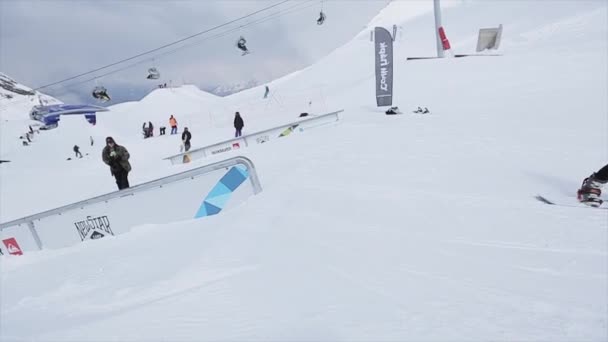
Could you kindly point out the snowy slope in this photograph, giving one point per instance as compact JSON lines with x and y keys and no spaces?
{"x":380,"y":228}
{"x":228,"y":89}
{"x":16,"y":100}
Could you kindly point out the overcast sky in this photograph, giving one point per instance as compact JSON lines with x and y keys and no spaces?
{"x":43,"y":41}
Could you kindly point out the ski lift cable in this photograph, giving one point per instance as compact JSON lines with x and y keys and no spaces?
{"x":272,"y":16}
{"x":219,"y":35}
{"x":164,"y":46}
{"x":289,"y":10}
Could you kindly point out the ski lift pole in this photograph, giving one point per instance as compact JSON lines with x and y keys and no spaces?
{"x":323,"y":98}
{"x":277,"y":101}
{"x":437,"y":10}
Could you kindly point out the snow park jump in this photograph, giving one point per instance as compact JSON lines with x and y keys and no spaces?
{"x":210,"y":189}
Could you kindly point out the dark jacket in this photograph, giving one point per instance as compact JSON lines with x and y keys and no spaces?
{"x":186,"y":136}
{"x":238,"y":122}
{"x":119,"y":161}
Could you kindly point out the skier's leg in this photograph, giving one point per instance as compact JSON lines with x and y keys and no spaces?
{"x":602,"y":174}
{"x":125,"y":180}
{"x":118,"y":180}
{"x":121,"y":179}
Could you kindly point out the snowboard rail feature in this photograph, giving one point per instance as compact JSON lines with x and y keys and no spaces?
{"x":212,"y":187}
{"x":256,"y":138}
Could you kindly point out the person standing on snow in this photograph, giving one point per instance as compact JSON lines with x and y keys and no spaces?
{"x":186,"y":136}
{"x":77,"y":151}
{"x":591,"y":189}
{"x":238,"y":124}
{"x":144,"y":128}
{"x":173,"y":124}
{"x":117,"y":157}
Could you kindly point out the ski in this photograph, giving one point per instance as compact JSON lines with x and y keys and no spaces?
{"x":552,"y":202}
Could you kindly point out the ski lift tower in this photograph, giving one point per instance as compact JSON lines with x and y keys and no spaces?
{"x":437,"y":7}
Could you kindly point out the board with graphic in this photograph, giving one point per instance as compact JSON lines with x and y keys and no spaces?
{"x":288,"y":131}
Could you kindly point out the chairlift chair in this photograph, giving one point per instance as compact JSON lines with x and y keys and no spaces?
{"x":153,"y":74}
{"x":241,"y":44}
{"x":101,"y":93}
{"x":321,"y":19}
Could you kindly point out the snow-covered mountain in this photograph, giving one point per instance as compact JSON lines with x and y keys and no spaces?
{"x":10,"y":88}
{"x":395,"y":228}
{"x":16,"y":100}
{"x":229,"y":89}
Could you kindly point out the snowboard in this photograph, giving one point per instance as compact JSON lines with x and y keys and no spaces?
{"x":288,"y":131}
{"x":76,"y":158}
{"x":574,"y":203}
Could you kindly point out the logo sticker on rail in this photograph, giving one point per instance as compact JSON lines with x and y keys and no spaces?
{"x":222,"y":191}
{"x":12,"y":246}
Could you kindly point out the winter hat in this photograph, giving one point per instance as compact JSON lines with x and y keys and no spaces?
{"x":110,"y":140}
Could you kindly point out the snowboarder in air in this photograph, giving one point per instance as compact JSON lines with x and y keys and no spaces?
{"x":591,"y":189}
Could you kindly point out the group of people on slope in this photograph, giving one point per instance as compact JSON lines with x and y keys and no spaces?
{"x":117,"y":156}
{"x":148,"y":128}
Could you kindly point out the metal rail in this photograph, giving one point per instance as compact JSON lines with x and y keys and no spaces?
{"x":299,"y":122}
{"x":239,"y":160}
